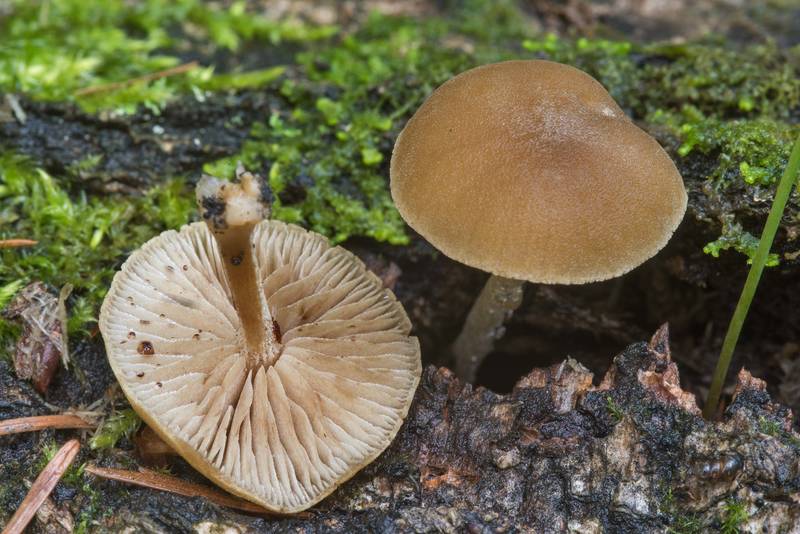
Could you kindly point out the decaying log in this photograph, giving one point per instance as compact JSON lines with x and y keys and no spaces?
{"x":557,"y":454}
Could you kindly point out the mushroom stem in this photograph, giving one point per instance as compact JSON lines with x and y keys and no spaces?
{"x":497,"y":301}
{"x":232,"y":211}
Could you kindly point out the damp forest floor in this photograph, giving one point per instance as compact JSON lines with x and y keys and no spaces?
{"x":110,"y":111}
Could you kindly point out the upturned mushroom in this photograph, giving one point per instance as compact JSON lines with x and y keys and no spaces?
{"x":529,"y":170}
{"x":275,"y":364}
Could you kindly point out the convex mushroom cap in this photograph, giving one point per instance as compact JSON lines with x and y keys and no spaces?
{"x":530,"y":170}
{"x":286,"y":427}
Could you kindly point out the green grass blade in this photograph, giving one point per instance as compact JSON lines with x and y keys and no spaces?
{"x":759,"y":260}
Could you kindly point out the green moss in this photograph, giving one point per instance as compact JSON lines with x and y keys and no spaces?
{"x":735,"y":237}
{"x":327,"y":146}
{"x":345,"y":106}
{"x":121,"y":424}
{"x":82,"y":241}
{"x":53,"y":50}
{"x":773,"y":428}
{"x":685,"y":524}
{"x":614,"y":409}
{"x":679,"y":522}
{"x":734,"y":514}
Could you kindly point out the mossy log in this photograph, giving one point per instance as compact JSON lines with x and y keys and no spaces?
{"x":557,"y":454}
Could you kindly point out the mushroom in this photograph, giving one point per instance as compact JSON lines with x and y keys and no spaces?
{"x":529,"y":170}
{"x":274,"y":363}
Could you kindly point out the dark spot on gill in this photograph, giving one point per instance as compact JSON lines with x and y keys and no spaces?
{"x":140,"y":375}
{"x":145,"y":348}
{"x":144,"y":321}
{"x":196,"y":337}
{"x":237,"y":260}
{"x":276,"y":330}
{"x":159,"y":384}
{"x":131,"y":335}
{"x":185,"y":267}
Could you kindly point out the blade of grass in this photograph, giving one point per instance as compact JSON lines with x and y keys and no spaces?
{"x":180,"y":69}
{"x":41,"y":422}
{"x":150,"y":479}
{"x":42,"y":487}
{"x":759,"y":260}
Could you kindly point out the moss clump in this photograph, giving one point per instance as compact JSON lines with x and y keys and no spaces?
{"x":327,"y":144}
{"x":773,"y":428}
{"x":678,"y":521}
{"x":327,"y":155}
{"x":121,"y":424}
{"x":614,"y":409}
{"x":734,"y":515}
{"x":82,"y":241}
{"x":55,"y":50}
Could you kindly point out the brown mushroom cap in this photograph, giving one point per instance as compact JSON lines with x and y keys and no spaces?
{"x":530,"y":170}
{"x":282,"y":435}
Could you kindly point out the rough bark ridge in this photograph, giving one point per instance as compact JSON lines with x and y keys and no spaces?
{"x":555,"y":455}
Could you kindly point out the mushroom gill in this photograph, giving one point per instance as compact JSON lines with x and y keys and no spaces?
{"x":280,"y":415}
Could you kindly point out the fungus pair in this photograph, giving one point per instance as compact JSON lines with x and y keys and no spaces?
{"x":278,"y":366}
{"x":275,"y":364}
{"x":529,"y":170}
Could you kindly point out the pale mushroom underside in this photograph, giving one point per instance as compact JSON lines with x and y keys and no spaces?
{"x":282,"y":435}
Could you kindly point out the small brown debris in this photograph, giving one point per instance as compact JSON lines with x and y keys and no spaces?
{"x":388,"y":271}
{"x":569,"y":381}
{"x":55,"y":519}
{"x":41,"y":422}
{"x":42,"y":487}
{"x":659,"y":343}
{"x":145,"y":348}
{"x":16,"y":243}
{"x":745,"y":380}
{"x":41,"y":345}
{"x":150,"y":479}
{"x":276,"y":330}
{"x":662,"y":379}
{"x":151,"y":449}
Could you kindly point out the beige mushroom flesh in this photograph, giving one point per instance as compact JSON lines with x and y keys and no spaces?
{"x":275,"y":364}
{"x":529,"y":170}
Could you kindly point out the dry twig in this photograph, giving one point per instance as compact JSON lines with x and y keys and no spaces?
{"x":180,"y":69}
{"x":15,"y":243}
{"x":150,"y":479}
{"x":42,"y":487}
{"x":41,"y":422}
